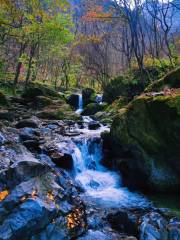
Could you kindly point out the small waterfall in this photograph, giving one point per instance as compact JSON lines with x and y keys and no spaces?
{"x":99,"y":98}
{"x":101,"y":185}
{"x":80,"y":104}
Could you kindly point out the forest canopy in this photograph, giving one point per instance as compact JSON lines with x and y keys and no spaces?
{"x":87,"y":43}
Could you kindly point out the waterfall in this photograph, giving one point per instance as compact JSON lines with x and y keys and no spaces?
{"x":80,"y":104}
{"x":99,"y":98}
{"x":100,"y":184}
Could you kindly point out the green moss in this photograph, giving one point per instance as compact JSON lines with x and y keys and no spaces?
{"x":3,"y":99}
{"x":93,"y":108}
{"x":42,"y":101}
{"x":172,"y":80}
{"x":150,"y":129}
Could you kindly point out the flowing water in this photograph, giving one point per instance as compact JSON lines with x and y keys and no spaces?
{"x":80,"y":105}
{"x":101,"y":185}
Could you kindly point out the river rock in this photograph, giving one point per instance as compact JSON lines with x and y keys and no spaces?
{"x":20,"y":224}
{"x":153,"y":227}
{"x":23,"y":170}
{"x":31,"y":123}
{"x":174,"y":229}
{"x":62,"y":160}
{"x":145,"y":146}
{"x":121,"y":222}
{"x":6,"y":115}
{"x":94,"y":125}
{"x":2,"y":139}
{"x":29,"y":134}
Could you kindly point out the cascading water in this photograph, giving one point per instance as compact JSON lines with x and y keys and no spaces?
{"x":101,"y":185}
{"x":80,"y":104}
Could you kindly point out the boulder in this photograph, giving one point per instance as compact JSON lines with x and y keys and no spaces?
{"x":60,"y":113}
{"x":88,"y":96}
{"x":6,"y":115}
{"x":62,"y":160}
{"x":93,"y":108}
{"x":30,"y":123}
{"x":33,"y":215}
{"x":36,"y":89}
{"x":73,"y":100}
{"x":32,"y":92}
{"x":171,"y":80}
{"x":28,"y":134}
{"x":120,"y":221}
{"x":42,"y":101}
{"x":94,"y":125}
{"x":145,"y":137}
{"x":23,"y":170}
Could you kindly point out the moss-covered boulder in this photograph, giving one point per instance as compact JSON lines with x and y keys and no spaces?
{"x":42,"y":101}
{"x":38,"y":89}
{"x":146,"y":137}
{"x":171,"y":80}
{"x":88,"y":96}
{"x":93,"y":108}
{"x":122,"y":87}
{"x":58,"y":112}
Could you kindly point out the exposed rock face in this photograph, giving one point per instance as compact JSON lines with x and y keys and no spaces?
{"x":88,"y":96}
{"x":171,"y":80}
{"x":146,"y":136}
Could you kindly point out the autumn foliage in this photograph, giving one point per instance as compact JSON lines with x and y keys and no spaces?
{"x":97,"y":13}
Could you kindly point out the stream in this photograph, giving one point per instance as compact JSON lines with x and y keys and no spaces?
{"x":101,"y":185}
{"x":53,"y":185}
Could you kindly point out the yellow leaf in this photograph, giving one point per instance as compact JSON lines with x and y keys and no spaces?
{"x":3,"y":195}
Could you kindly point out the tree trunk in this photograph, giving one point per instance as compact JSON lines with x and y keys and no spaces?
{"x":32,"y":52}
{"x":18,"y":67}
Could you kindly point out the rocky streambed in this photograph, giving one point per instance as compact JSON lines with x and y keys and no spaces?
{"x":53,"y":185}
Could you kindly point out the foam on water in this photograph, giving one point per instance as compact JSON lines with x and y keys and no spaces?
{"x":101,"y":185}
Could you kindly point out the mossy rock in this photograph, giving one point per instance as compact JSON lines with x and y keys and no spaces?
{"x":146,"y":136}
{"x":104,"y":117}
{"x":37,"y":89}
{"x":42,"y":101}
{"x":93,"y":108}
{"x":171,"y":80}
{"x":3,"y":99}
{"x":63,"y":112}
{"x":122,"y":87}
{"x":88,"y":95}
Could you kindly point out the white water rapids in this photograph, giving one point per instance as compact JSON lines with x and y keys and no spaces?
{"x":100,"y":184}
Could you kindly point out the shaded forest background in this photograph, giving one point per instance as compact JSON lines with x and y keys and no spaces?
{"x":70,"y":44}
